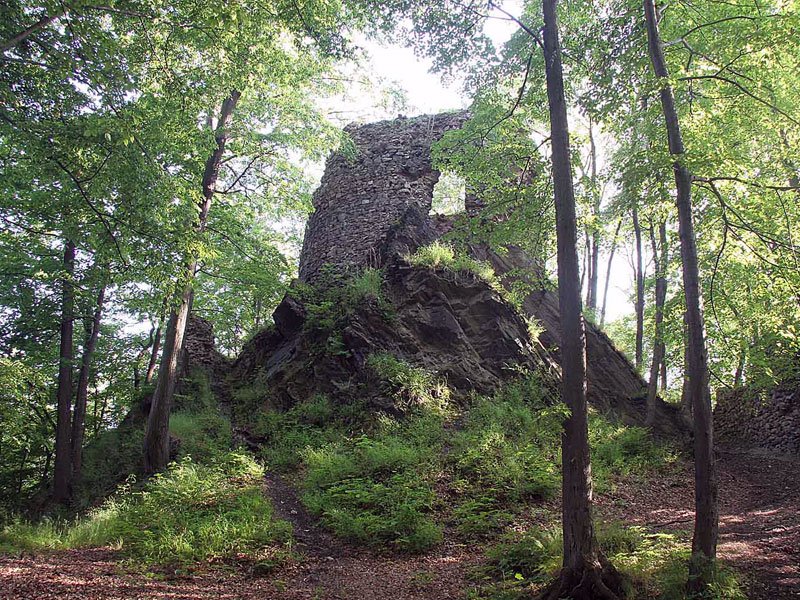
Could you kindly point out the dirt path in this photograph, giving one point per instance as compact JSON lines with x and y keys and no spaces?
{"x":759,"y":535}
{"x":759,"y":531}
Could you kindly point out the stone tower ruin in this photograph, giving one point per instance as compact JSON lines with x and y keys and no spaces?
{"x":360,"y":199}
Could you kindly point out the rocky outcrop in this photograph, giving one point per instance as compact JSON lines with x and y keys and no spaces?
{"x":451,"y":324}
{"x":374,"y":211}
{"x":751,"y":418}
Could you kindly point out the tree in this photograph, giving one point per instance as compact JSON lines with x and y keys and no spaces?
{"x":63,"y":468}
{"x":156,"y":439}
{"x":585,"y":572}
{"x":706,"y":523}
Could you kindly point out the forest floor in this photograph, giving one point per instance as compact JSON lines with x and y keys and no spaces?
{"x":759,"y":537}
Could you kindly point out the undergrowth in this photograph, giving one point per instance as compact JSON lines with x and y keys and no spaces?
{"x":398,"y":479}
{"x":334,"y":298}
{"x":654,"y":565}
{"x":189,"y":513}
{"x":443,"y":256}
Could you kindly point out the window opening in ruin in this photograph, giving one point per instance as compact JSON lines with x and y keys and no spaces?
{"x":448,"y":194}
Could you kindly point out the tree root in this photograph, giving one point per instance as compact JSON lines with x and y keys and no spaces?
{"x":593,"y":582}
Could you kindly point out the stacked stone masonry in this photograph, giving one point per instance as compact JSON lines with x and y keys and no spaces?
{"x":361,"y":198}
{"x":748,"y":418}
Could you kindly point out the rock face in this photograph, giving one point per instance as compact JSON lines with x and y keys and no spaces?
{"x":750,"y":418}
{"x":450,"y":324}
{"x":373,"y":212}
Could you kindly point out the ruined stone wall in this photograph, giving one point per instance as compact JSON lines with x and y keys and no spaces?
{"x":748,"y":418}
{"x":359,"y":200}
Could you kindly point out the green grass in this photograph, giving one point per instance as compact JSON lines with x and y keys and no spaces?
{"x":411,"y":387}
{"x":190,"y":513}
{"x":443,"y":256}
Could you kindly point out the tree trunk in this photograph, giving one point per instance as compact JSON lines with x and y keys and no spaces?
{"x":585,"y":574}
{"x":706,"y":524}
{"x":594,"y":248}
{"x":608,"y":272}
{"x":154,"y":350}
{"x":637,"y":232}
{"x":79,"y":418}
{"x":62,"y":469}
{"x":156,"y":441}
{"x":659,"y":350}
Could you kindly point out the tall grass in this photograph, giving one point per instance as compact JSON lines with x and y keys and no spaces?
{"x":190,"y":513}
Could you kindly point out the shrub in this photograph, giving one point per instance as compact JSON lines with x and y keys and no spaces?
{"x":374,"y":491}
{"x":189,"y":513}
{"x":411,"y":387}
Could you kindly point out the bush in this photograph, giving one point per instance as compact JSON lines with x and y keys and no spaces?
{"x":375,"y":491}
{"x":654,"y":564}
{"x":189,"y":513}
{"x":411,"y":387}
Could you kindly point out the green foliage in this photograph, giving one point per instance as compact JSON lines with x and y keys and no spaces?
{"x":201,"y":436}
{"x":443,"y":256}
{"x":654,"y":564}
{"x":411,"y":387}
{"x":198,"y":425}
{"x":375,"y":479}
{"x":307,"y":425}
{"x":506,"y":452}
{"x":189,"y":513}
{"x":620,"y":451}
{"x":375,"y":491}
{"x":24,"y":433}
{"x":333,"y":300}
{"x":109,"y":460}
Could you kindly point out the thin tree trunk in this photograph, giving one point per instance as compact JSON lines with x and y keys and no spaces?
{"x":659,"y":350}
{"x":79,"y":417}
{"x":594,"y":249}
{"x":739,"y":375}
{"x":156,"y":442}
{"x":62,"y":469}
{"x":583,"y":574}
{"x":155,"y":349}
{"x":637,"y":232}
{"x":608,"y":272}
{"x":706,"y":524}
